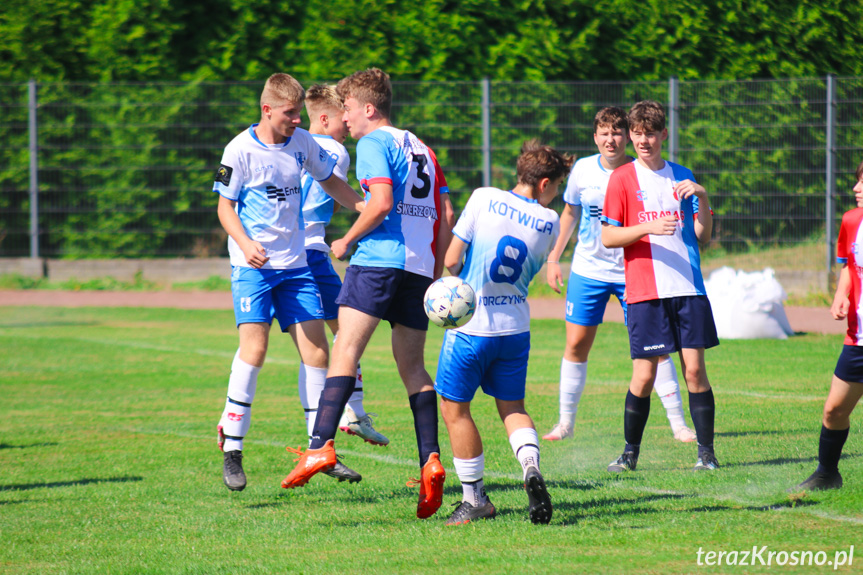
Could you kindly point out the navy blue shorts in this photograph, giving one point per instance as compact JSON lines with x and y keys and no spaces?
{"x":328,"y":280}
{"x":849,"y":368}
{"x":660,"y":326}
{"x":387,"y":293}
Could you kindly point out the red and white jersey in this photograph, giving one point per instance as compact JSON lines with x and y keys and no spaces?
{"x":849,"y":245}
{"x":657,"y":267}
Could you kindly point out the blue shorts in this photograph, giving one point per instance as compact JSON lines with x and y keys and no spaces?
{"x":291,"y":295}
{"x":329,"y":282}
{"x":387,"y":293}
{"x":498,"y":364}
{"x":660,"y":326}
{"x":586,"y":299}
{"x":849,"y":368}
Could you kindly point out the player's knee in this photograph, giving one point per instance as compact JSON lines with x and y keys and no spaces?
{"x":835,"y":415}
{"x":315,"y":356}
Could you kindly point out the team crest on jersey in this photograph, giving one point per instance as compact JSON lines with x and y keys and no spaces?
{"x":223,"y":174}
{"x":641,"y":195}
{"x":301,"y":158}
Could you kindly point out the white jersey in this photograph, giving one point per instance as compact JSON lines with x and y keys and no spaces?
{"x":264,"y":180}
{"x":509,"y":237}
{"x":586,"y":187}
{"x":319,"y":206}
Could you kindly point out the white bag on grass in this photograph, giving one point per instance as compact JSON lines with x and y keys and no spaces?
{"x":747,"y":305}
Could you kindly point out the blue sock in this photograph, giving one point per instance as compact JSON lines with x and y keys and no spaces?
{"x":424,"y":407}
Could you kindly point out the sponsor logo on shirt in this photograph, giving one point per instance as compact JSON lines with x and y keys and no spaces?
{"x":223,"y":174}
{"x":650,"y":216}
{"x":262,"y":168}
{"x":594,"y":211}
{"x":281,"y":194}
{"x":416,"y":211}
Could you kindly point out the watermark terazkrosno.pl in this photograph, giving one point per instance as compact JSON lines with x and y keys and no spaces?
{"x":769,"y":557}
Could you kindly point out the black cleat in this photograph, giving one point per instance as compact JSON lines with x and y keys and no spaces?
{"x":540,"y":503}
{"x":232,"y":471}
{"x":819,"y":481}
{"x":466,"y":512}
{"x":344,"y":473}
{"x":625,"y":462}
{"x":706,"y":462}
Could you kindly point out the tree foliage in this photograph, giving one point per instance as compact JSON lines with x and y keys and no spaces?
{"x":530,"y":40}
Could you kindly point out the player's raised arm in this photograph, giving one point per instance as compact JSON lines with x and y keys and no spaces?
{"x":254,"y":252}
{"x":704,"y":218}
{"x":620,"y":236}
{"x":343,"y":194}
{"x":379,"y":205}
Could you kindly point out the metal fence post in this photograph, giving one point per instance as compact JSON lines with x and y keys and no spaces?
{"x":486,"y":132}
{"x":673,"y":101}
{"x":34,"y":171}
{"x":830,"y":175}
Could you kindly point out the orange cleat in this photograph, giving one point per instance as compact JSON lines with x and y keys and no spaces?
{"x":431,"y":487}
{"x":311,"y":462}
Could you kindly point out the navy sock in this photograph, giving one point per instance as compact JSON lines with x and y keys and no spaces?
{"x":424,"y":407}
{"x":702,"y":408}
{"x":830,"y":449}
{"x":334,"y":397}
{"x":634,"y":420}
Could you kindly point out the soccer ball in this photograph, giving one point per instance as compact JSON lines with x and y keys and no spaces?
{"x":450,"y":302}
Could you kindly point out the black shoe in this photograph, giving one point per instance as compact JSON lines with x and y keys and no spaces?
{"x":465,"y":513}
{"x":819,"y":481}
{"x":539,"y":508}
{"x":706,"y":462}
{"x":625,"y":462}
{"x":232,"y":472}
{"x":344,"y":473}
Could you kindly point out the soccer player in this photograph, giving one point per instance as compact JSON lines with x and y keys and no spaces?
{"x":325,"y":109}
{"x":401,"y":237}
{"x":597,"y":273}
{"x":658,"y":214}
{"x":506,"y":235}
{"x":258,"y":183}
{"x":846,"y":389}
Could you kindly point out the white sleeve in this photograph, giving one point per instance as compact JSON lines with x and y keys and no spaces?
{"x":465,"y":227}
{"x":231,"y":174}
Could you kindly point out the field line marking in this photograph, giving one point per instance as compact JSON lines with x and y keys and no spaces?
{"x":151,"y":347}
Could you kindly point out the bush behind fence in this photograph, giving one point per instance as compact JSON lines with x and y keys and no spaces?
{"x":125,"y":170}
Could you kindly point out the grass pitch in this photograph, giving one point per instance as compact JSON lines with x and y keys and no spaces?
{"x":109,"y":462}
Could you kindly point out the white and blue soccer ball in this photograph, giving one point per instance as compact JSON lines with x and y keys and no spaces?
{"x":450,"y":302}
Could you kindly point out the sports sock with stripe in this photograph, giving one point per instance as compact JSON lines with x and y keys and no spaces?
{"x":525,"y":445}
{"x":237,"y":415}
{"x":310,"y":385}
{"x":470,"y":473}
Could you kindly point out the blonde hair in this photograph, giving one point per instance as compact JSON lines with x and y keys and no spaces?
{"x":282,"y":89}
{"x":370,"y":86}
{"x":322,"y":98}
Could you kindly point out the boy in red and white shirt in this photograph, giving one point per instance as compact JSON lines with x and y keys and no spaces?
{"x":847,"y":386}
{"x":658,"y":214}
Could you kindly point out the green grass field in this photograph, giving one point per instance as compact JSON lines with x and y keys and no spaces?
{"x":109,"y":462}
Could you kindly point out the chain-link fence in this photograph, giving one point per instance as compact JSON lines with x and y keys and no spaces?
{"x":125,"y":170}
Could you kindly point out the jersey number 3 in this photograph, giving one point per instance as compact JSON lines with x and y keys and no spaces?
{"x":505,"y":248}
{"x":420,"y":189}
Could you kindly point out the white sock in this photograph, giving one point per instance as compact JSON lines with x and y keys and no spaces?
{"x":573,"y":376}
{"x":668,"y":389}
{"x":525,"y":445}
{"x":356,"y":399}
{"x":310,"y":386}
{"x":470,"y":472}
{"x":237,"y":415}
